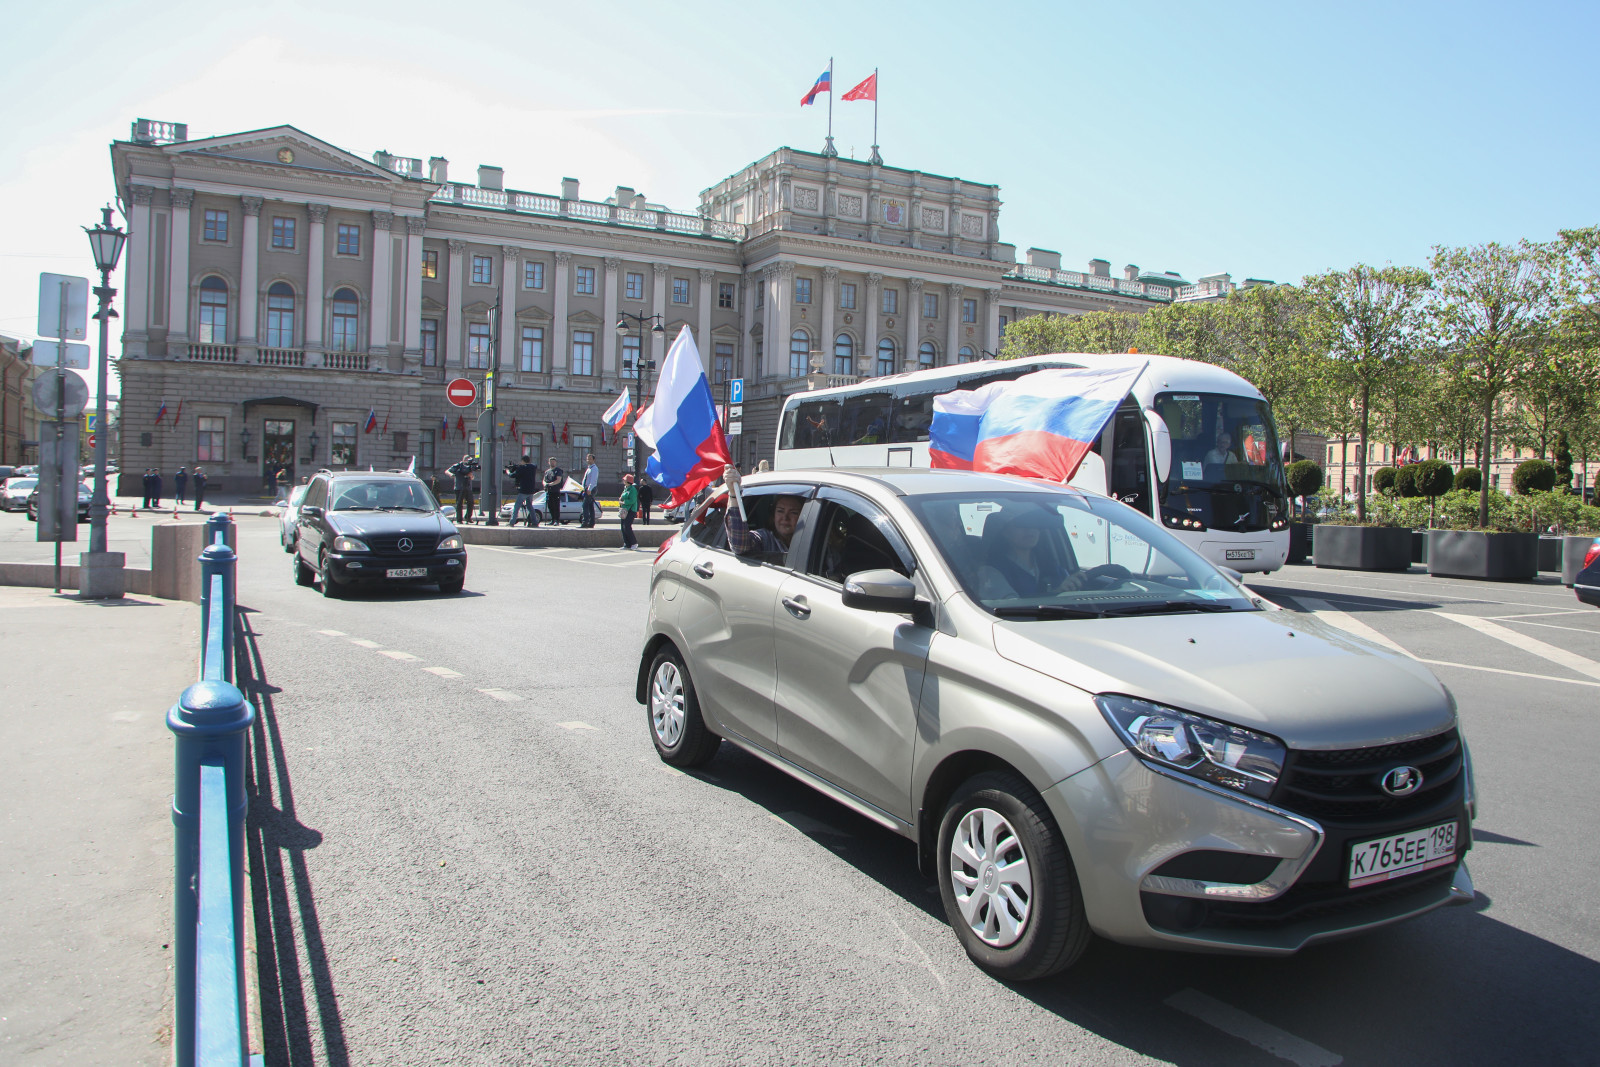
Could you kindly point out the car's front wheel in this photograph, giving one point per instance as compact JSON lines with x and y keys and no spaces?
{"x":680,"y":734}
{"x":330,"y":588}
{"x":1008,"y":884}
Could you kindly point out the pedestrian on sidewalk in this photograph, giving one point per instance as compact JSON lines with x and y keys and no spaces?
{"x":647,"y":496}
{"x":199,"y":487}
{"x":591,"y":486}
{"x":526,"y":475}
{"x":155,"y":487}
{"x":283,"y":482}
{"x":269,"y":478}
{"x":554,"y":479}
{"x":627,"y":507}
{"x":179,"y":482}
{"x":462,"y":472}
{"x":148,"y":483}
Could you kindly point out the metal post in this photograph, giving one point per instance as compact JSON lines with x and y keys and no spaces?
{"x":210,"y":724}
{"x":491,"y":469}
{"x":100,"y":506}
{"x":61,"y":418}
{"x":217,"y":561}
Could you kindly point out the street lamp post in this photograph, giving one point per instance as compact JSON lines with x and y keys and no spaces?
{"x":106,"y":241}
{"x":642,"y":371}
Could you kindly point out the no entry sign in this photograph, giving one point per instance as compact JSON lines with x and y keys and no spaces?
{"x":461,"y":392}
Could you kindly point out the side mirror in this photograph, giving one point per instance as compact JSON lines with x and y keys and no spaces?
{"x":880,"y":590}
{"x":1160,"y":444}
{"x":310,"y":511}
{"x":448,"y":511}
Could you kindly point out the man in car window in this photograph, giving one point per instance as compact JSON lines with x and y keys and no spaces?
{"x":760,"y":541}
{"x":1222,"y":453}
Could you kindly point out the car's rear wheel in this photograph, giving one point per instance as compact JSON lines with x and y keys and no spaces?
{"x":303,"y":575}
{"x":680,"y":734}
{"x":1008,"y":884}
{"x":330,"y":588}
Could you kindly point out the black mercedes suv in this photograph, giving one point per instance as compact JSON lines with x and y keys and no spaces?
{"x":368,"y":527}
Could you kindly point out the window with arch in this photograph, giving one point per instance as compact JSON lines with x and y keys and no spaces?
{"x":967,"y":354}
{"x":844,"y":354}
{"x":799,"y":354}
{"x":280,"y":315}
{"x":213,"y":311}
{"x":926,"y":356}
{"x":886,"y":352}
{"x":346,"y":320}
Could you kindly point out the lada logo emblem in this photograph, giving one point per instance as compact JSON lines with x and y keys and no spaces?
{"x":1402,"y":781}
{"x":405,"y":544}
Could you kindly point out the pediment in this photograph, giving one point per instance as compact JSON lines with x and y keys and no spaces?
{"x":584,"y":318}
{"x":536,"y":313}
{"x":432,"y":305}
{"x":477,"y":307}
{"x":725,"y":331}
{"x":268,"y":146}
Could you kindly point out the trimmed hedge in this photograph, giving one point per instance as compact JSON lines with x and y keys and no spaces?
{"x":1305,"y":478}
{"x":1434,"y":478}
{"x":1469,"y":478}
{"x":1383,"y":479}
{"x":1405,"y":481}
{"x":1533,"y":476}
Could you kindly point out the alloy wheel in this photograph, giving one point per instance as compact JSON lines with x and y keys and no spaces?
{"x":666,"y":704}
{"x":990,"y":876}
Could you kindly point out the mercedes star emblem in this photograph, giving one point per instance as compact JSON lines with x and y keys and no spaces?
{"x":405,"y":546}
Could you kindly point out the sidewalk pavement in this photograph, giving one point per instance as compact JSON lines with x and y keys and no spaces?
{"x":85,"y":824}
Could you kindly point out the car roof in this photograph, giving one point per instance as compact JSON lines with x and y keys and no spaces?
{"x":395,"y":475}
{"x":911,"y":481}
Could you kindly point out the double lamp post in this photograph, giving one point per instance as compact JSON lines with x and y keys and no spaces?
{"x":641,"y":371}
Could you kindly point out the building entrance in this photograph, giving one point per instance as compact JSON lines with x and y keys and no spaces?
{"x":277,"y":447}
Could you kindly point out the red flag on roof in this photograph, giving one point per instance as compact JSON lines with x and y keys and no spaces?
{"x":867,"y":90}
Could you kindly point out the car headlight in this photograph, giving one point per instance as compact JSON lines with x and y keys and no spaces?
{"x":349,"y":544}
{"x":1234,"y":758}
{"x":450,"y":544}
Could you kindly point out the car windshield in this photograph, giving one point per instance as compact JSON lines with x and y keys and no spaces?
{"x":19,"y":484}
{"x":297,"y":494}
{"x":1062,"y":554}
{"x":382,"y":494}
{"x":1226,"y":469}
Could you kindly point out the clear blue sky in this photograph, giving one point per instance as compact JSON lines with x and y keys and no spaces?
{"x":1266,"y":140}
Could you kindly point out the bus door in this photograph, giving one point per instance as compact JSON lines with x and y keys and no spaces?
{"x":1128,"y":461}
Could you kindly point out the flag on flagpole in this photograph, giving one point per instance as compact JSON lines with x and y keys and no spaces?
{"x":566,"y":438}
{"x":681,"y":426}
{"x":176,"y":419}
{"x":461,"y":427}
{"x":1039,"y":426}
{"x":372,"y":421}
{"x":161,"y":412}
{"x":412,"y":467}
{"x":867,"y":90}
{"x":555,"y":434}
{"x":385,"y":417}
{"x":514,"y":436}
{"x":444,"y":428}
{"x":824,"y":85}
{"x":617,"y":414}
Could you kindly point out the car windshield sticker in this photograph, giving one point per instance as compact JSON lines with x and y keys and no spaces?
{"x":1192,"y":469}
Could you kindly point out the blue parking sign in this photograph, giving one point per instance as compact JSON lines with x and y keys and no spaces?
{"x":736,"y":390}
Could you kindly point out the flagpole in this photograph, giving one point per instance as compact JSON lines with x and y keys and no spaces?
{"x":828,"y":149}
{"x":875,"y":158}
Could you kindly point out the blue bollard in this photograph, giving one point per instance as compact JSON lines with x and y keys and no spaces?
{"x":217,"y":527}
{"x":210,"y":724}
{"x":217,"y":560}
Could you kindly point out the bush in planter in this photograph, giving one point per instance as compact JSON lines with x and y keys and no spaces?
{"x":1434,"y":478}
{"x":1304,"y":477}
{"x":1409,"y":512}
{"x":1383,"y":479}
{"x":1405,"y":481}
{"x":1533,"y":476}
{"x":1458,"y":510}
{"x":1332,"y":507}
{"x":1470,"y":479}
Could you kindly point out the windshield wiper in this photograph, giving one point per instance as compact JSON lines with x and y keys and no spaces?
{"x":355,"y":507}
{"x":403,"y":507}
{"x":1171,"y":607}
{"x":1049,"y":611}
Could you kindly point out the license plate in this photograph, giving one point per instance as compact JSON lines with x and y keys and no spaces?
{"x":407,"y":572}
{"x":1402,"y":854}
{"x":1239,"y":553}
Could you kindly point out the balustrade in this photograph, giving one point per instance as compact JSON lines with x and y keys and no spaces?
{"x":537,"y":204}
{"x":280,"y":357}
{"x":213,"y":353}
{"x":346,"y":360}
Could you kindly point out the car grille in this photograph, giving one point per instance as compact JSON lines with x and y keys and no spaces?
{"x":389,"y":544}
{"x":1343,"y":786}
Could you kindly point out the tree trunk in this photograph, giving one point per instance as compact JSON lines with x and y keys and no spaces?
{"x":1361,"y":458}
{"x":1483,"y":482}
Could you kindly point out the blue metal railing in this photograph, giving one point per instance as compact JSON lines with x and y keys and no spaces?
{"x":210,"y":722}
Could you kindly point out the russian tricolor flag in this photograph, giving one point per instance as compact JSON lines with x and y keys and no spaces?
{"x":681,"y":425}
{"x":617,"y":414}
{"x":824,"y":85}
{"x":1039,"y":426}
{"x":372,"y":420}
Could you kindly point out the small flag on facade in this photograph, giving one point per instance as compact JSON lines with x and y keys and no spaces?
{"x":161,"y":412}
{"x":566,"y":438}
{"x":372,"y":420}
{"x":461,"y":427}
{"x":616,"y":416}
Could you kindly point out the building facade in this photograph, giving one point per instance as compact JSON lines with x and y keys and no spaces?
{"x":288,"y":302}
{"x":19,"y":420}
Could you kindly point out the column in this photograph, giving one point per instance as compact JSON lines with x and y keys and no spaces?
{"x":913,"y":358}
{"x":178,"y":279}
{"x":558,"y":326}
{"x":249,"y":270}
{"x":314,"y":261}
{"x":747,"y":319}
{"x":991,"y":319}
{"x":415,"y":225}
{"x":382,"y":281}
{"x":783,"y":315}
{"x":658,"y":304}
{"x":452,"y":312}
{"x":771,"y":364}
{"x":830,"y":301}
{"x":609,"y":297}
{"x":867,"y":364}
{"x":136,"y":275}
{"x":510,"y":264}
{"x":954,"y":342}
{"x":703,"y":327}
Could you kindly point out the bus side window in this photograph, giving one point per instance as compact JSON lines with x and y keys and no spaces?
{"x":866,"y":419}
{"x":811,"y":425}
{"x":913,"y":415}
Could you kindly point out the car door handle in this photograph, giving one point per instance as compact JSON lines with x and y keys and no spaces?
{"x":797,"y":606}
{"x":704,"y":570}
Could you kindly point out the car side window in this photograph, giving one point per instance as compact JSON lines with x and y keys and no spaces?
{"x":709,"y":531}
{"x":853,"y":536}
{"x":317,"y":495}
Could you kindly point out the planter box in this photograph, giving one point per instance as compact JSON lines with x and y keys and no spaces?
{"x":1300,"y":534}
{"x":1550,"y":553}
{"x":1573,"y":549}
{"x":1363,"y":548}
{"x":1475,"y":554}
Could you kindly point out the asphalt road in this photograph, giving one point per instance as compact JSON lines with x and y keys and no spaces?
{"x":469,"y":853}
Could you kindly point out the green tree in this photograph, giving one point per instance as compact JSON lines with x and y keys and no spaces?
{"x":1367,"y":318}
{"x":1493,"y":312}
{"x":1405,"y":481}
{"x":1304,"y":477}
{"x":1434,"y":478}
{"x":1383,"y":479}
{"x":1094,"y":331}
{"x":1533,"y":476}
{"x":1269,"y":338}
{"x":1562,"y":461}
{"x":1469,"y":478}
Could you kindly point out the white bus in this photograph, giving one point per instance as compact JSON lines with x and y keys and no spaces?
{"x":1227,"y":500}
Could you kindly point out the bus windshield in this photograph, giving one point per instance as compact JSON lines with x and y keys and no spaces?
{"x":1226,"y":467}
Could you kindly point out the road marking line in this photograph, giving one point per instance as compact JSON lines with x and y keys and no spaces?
{"x":363,"y":642}
{"x":393,"y":654}
{"x":1554,"y":626}
{"x":1262,"y":1035}
{"x":1502,"y":670}
{"x":443,"y":672}
{"x":1424,"y":592}
{"x":576,"y":725}
{"x":500,"y":694}
{"x":332,"y":633}
{"x":1538,"y":614}
{"x":1343,"y":621}
{"x":1570,"y":660}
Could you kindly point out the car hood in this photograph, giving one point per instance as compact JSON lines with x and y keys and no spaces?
{"x":1283,"y":673}
{"x":358,"y":523}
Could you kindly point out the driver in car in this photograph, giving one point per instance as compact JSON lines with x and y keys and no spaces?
{"x":1014,"y":565}
{"x":747,"y":542}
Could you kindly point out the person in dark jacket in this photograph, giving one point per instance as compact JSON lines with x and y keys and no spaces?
{"x":462,"y":472}
{"x":155,"y":487}
{"x":526,"y":475}
{"x":647,"y":496}
{"x":147,"y":484}
{"x":179,"y":482}
{"x":199,"y":487}
{"x":554,"y":479}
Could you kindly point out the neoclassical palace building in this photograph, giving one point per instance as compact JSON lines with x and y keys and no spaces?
{"x":287,"y":302}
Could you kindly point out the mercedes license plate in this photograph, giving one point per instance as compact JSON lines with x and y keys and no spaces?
{"x":408,"y":572}
{"x":1402,"y":854}
{"x":1239,"y":553}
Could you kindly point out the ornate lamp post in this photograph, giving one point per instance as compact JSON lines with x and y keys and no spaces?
{"x":641,"y":372}
{"x":106,"y":241}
